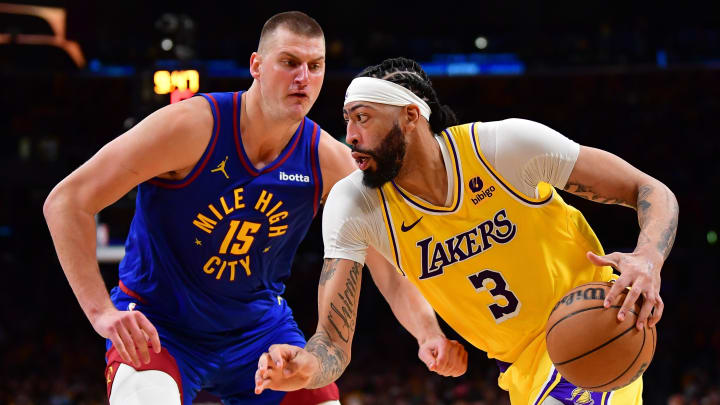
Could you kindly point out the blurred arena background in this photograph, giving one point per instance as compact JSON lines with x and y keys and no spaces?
{"x":639,"y":79}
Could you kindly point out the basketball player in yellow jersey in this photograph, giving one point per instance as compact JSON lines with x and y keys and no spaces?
{"x":469,"y":215}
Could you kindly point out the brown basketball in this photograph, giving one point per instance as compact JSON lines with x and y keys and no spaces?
{"x":590,"y":347}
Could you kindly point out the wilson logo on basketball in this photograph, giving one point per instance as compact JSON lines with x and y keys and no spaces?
{"x":590,"y":293}
{"x":476,"y":186}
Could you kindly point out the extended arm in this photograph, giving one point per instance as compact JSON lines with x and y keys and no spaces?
{"x":441,"y":355}
{"x":327,"y":352}
{"x":163,"y":142}
{"x":603,"y":177}
{"x":338,"y":296}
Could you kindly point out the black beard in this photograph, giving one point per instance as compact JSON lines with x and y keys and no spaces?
{"x":388,"y":157}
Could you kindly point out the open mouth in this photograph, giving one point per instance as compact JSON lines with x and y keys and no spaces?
{"x":299,"y":95}
{"x":362,"y":160}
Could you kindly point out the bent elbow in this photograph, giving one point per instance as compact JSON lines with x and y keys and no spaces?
{"x":52,"y":201}
{"x":56,"y":202}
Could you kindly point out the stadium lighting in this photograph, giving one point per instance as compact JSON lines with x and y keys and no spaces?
{"x":481,"y":42}
{"x":166,"y":44}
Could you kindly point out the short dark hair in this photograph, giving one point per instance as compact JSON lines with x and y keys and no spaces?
{"x":409,"y":74}
{"x":296,"y":22}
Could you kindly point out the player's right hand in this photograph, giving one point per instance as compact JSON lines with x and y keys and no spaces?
{"x":130,"y":333}
{"x":444,"y":356}
{"x":285,"y":368}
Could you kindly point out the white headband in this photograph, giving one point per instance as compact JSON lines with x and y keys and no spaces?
{"x":384,"y":92}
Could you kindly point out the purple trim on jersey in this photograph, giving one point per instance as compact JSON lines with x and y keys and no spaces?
{"x":459,"y":181}
{"x":392,"y":234}
{"x":174,"y":184}
{"x":502,"y":183}
{"x":245,"y":160}
{"x":503,"y":366}
{"x":547,"y":386}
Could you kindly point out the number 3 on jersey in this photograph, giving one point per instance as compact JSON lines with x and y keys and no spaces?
{"x":483,"y":280}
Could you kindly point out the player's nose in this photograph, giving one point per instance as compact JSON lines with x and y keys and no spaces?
{"x":303,"y":75}
{"x":352,"y":136}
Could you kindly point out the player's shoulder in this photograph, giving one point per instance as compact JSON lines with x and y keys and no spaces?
{"x":473,"y":128}
{"x":331,"y":145}
{"x":352,"y":184}
{"x":517,"y":129}
{"x":192,"y":112}
{"x":335,"y":160}
{"x":351,"y":190}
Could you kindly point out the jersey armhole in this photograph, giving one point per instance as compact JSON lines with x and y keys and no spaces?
{"x":200,"y":165}
{"x":517,"y":194}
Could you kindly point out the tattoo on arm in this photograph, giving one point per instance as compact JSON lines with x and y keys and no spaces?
{"x":328,"y":270}
{"x":340,"y":326}
{"x":643,"y":204}
{"x":342,"y":315}
{"x":668,"y":236}
{"x":588,"y":193}
{"x":332,"y":359}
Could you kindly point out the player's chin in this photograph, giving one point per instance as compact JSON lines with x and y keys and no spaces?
{"x":297,"y":110}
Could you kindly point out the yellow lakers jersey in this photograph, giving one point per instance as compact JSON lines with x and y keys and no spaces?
{"x":494,"y":262}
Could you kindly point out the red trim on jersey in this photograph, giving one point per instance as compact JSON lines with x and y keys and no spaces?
{"x":316,"y":199}
{"x":236,"y":122}
{"x":290,"y":152}
{"x":163,"y":361}
{"x":329,"y":392}
{"x":130,"y":292}
{"x":198,"y":169}
{"x":248,"y":165}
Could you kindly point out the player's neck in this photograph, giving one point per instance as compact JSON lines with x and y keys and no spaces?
{"x":263,"y":137}
{"x":423,"y":172}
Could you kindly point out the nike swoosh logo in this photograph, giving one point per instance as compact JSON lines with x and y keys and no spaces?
{"x":409,"y":227}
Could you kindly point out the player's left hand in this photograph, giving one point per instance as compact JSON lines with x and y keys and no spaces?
{"x":285,"y":368}
{"x":444,"y":356}
{"x":640,"y":273}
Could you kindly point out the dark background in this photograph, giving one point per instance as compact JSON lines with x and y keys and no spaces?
{"x":595,"y":72}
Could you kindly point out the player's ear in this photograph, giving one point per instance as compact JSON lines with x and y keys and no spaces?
{"x":412,"y":116}
{"x":255,"y":60}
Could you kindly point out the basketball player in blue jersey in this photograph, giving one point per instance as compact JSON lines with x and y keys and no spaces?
{"x":228,"y":184}
{"x":468,"y":213}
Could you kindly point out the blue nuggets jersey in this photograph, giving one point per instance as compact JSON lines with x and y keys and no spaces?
{"x":210,"y":252}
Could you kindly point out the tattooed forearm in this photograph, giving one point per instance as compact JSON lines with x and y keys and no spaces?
{"x":588,"y":193}
{"x":342,"y":313}
{"x":643,"y":205}
{"x":338,"y":315}
{"x":328,"y":269}
{"x":332,"y":359}
{"x":658,"y":219}
{"x":667,"y":239}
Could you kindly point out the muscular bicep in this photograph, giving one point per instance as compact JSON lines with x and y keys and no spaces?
{"x":526,"y":153}
{"x":171,"y":139}
{"x":603,"y":177}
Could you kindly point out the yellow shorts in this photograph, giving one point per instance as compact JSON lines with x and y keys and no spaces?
{"x":532,"y":378}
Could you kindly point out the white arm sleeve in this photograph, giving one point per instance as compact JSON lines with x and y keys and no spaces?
{"x":527,"y":153}
{"x":352,"y":221}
